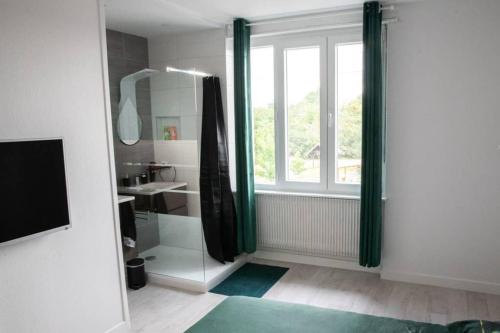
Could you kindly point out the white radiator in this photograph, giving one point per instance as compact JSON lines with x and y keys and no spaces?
{"x":314,"y":226}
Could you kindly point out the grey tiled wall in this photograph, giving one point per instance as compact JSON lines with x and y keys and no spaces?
{"x":128,"y":54}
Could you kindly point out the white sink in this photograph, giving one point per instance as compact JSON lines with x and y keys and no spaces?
{"x":151,"y":188}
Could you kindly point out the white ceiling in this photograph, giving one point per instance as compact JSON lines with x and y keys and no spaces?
{"x":149,"y":18}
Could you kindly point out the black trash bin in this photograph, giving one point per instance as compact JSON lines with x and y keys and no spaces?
{"x":136,"y":276}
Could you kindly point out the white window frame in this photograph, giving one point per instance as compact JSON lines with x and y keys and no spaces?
{"x":326,"y":42}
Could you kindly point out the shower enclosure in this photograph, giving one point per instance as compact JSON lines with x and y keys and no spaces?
{"x":167,"y":204}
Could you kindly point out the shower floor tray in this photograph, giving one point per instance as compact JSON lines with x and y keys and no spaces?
{"x":183,"y":268}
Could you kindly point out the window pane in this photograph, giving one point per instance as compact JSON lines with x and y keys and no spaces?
{"x":262,"y":76}
{"x":349,"y":90}
{"x":302,"y":83}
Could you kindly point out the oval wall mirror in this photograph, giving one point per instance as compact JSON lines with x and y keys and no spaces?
{"x":129,"y":125}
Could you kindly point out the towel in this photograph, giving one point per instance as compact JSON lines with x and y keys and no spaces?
{"x":127,"y":223}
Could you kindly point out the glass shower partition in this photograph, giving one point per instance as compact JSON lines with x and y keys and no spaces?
{"x":168,"y":218}
{"x":177,"y":250}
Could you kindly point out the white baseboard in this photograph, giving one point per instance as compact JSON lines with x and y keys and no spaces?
{"x":442,"y":281}
{"x":309,"y":260}
{"x":121,"y":327}
{"x":430,"y":280}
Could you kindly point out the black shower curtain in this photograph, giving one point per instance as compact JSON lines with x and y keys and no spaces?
{"x":218,"y":213}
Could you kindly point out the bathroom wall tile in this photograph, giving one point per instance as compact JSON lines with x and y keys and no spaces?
{"x":186,"y":80}
{"x":165,"y":103}
{"x":183,"y":152}
{"x":144,"y":151}
{"x":144,"y":85}
{"x":135,"y":48}
{"x":187,"y":101}
{"x":188,"y":130}
{"x":114,"y":106}
{"x":148,"y":234}
{"x":143,"y":100}
{"x":114,"y":40}
{"x":162,"y":49}
{"x":164,"y":81}
{"x":114,"y":94}
{"x":190,"y":176}
{"x":117,"y":69}
{"x":133,"y":66}
{"x":147,"y":132}
{"x":194,"y":208}
{"x":195,"y":46}
{"x":199,"y":99}
{"x":126,"y":55}
{"x":199,"y":128}
{"x":213,"y":65}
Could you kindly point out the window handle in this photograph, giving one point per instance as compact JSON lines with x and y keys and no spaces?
{"x":330,"y":120}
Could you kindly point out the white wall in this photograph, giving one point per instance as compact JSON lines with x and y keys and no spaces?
{"x":173,"y":103}
{"x":442,"y":214}
{"x":52,"y":85}
{"x":442,"y":222}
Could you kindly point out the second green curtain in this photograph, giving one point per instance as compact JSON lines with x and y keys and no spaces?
{"x":245,"y":194}
{"x":372,"y":138}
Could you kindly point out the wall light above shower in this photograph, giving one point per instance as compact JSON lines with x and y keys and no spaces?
{"x":187,"y":71}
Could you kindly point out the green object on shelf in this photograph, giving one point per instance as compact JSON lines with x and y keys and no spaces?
{"x":166,"y":134}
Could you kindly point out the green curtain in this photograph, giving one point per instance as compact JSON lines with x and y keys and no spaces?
{"x":372,"y":138}
{"x":245,"y":194}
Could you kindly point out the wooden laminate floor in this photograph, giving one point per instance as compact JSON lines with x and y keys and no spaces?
{"x":157,"y":309}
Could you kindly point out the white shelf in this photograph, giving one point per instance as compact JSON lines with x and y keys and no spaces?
{"x":125,"y":198}
{"x":161,"y":164}
{"x":153,"y":188}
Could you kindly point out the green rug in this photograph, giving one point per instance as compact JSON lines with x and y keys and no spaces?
{"x":251,"y":315}
{"x":250,"y":280}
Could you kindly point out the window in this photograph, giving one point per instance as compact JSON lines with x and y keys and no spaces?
{"x":348,"y":84}
{"x":306,"y":98}
{"x":302,"y":83}
{"x":262,"y":85}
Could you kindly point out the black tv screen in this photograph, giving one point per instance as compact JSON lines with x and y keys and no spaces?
{"x":33,"y":192}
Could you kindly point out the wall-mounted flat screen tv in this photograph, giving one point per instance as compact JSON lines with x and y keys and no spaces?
{"x":33,"y":189}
